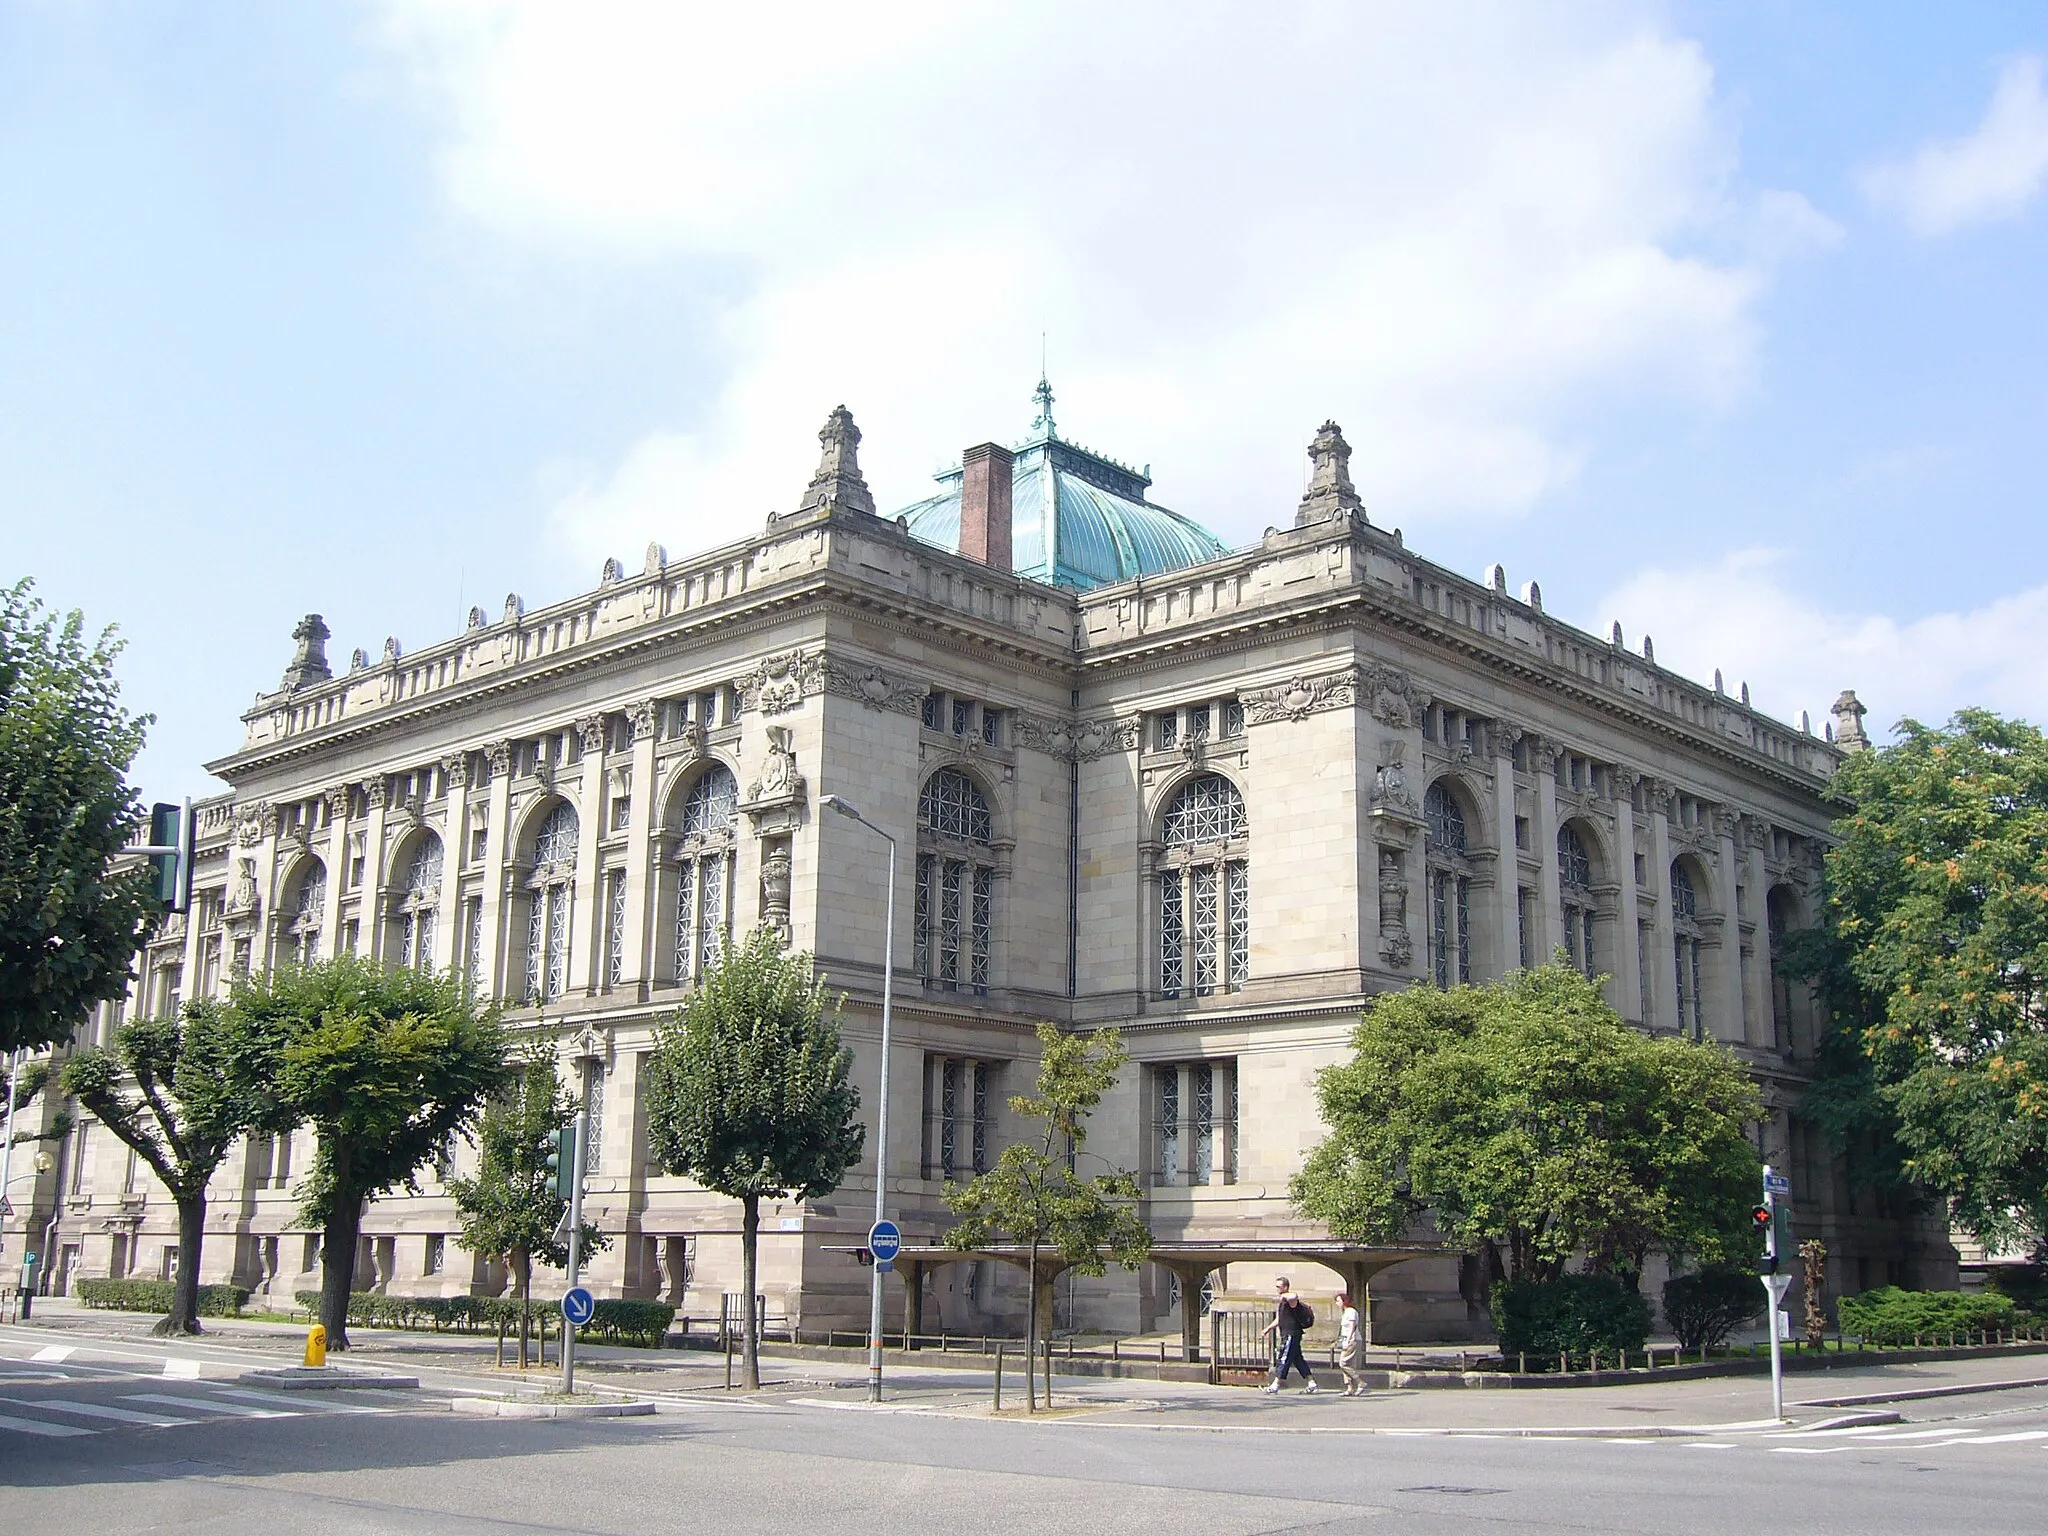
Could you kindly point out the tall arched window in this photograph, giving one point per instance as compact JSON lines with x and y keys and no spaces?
{"x":308,"y":905}
{"x":955,"y":883}
{"x":703,"y":856}
{"x":1575,"y":897}
{"x":1450,"y":888}
{"x":550,"y":889}
{"x":1685,"y":945}
{"x":1204,"y":891}
{"x":418,"y":904}
{"x":1778,"y":910}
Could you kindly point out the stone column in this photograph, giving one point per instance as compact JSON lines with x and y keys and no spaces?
{"x":587,"y":913}
{"x":1508,"y":870}
{"x":1663,"y":978}
{"x":1628,"y":962}
{"x":493,"y":982}
{"x":1731,"y":1025}
{"x":449,"y":936}
{"x":643,"y":848}
{"x":1543,"y":827}
{"x":1753,"y":834}
{"x":371,"y":905}
{"x":337,"y":873}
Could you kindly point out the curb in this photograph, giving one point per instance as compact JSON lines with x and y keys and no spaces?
{"x":1915,"y":1394}
{"x":318,"y":1378}
{"x":509,"y":1408}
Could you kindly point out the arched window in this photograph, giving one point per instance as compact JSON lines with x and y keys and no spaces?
{"x":1575,"y":897}
{"x":308,"y":905}
{"x":955,"y":883}
{"x":1204,"y":891}
{"x":1685,"y":946}
{"x":1450,"y":887}
{"x":418,"y":905}
{"x":550,"y":889}
{"x":703,"y":859}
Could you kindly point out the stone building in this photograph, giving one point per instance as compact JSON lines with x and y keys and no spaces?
{"x":1218,"y":798}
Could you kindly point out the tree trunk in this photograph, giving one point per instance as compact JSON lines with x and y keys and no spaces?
{"x":184,"y":1317}
{"x":525,"y":1303}
{"x":750,"y":1340}
{"x":338,"y":1267}
{"x":1031,"y":1332}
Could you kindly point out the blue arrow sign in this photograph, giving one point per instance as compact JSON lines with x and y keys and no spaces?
{"x":578,"y":1306}
{"x":885,"y":1241}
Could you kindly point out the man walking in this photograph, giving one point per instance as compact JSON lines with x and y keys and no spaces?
{"x":1291,"y":1319}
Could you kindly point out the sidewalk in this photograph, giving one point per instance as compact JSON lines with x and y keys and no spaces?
{"x":1929,"y":1390}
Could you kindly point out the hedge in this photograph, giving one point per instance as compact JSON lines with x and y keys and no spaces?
{"x":618,"y":1322}
{"x":155,"y":1296}
{"x":1704,"y":1308}
{"x":1889,"y":1315}
{"x":1573,"y":1315}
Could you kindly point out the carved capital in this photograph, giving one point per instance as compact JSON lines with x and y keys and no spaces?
{"x":590,"y":731}
{"x":456,"y":770}
{"x":643,"y":716}
{"x":337,"y":802}
{"x":378,"y":792}
{"x":499,"y":755}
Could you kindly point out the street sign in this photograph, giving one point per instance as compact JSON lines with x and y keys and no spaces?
{"x":1777,"y":1184}
{"x":578,"y":1306}
{"x":885,"y":1241}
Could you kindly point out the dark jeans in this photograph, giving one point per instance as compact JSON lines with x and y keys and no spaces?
{"x":1286,"y":1355}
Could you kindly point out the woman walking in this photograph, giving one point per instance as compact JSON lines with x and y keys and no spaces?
{"x":1350,"y":1346}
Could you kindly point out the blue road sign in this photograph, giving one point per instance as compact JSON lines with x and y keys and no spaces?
{"x":885,"y":1241}
{"x":1777,"y":1184}
{"x":578,"y":1306}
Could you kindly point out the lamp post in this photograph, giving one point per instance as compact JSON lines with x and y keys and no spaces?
{"x":882,"y":1109}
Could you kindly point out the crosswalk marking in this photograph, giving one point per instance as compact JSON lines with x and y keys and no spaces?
{"x":205,"y":1405}
{"x":100,"y":1411}
{"x":55,"y":1352}
{"x":298,"y":1404}
{"x":38,"y":1427}
{"x":182,"y":1370}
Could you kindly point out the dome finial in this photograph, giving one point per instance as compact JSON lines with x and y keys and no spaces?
{"x":1042,"y":398}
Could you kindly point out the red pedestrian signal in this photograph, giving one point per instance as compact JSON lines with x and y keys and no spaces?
{"x":1761,"y":1216}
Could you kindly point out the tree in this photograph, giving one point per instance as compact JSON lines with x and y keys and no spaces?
{"x":180,"y":1092}
{"x":388,"y":1066}
{"x":510,"y":1209}
{"x":1937,"y":894}
{"x":1033,"y":1196}
{"x":749,"y":1094}
{"x":69,"y":921}
{"x":1534,"y":1124}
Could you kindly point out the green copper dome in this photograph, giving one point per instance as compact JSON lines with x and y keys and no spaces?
{"x":1077,"y":519}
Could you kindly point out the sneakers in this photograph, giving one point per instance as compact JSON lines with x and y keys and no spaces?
{"x":1270,"y":1387}
{"x":1311,"y":1389}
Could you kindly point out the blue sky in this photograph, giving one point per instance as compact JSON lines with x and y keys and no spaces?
{"x":1725,"y":321}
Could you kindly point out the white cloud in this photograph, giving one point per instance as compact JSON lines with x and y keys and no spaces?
{"x":1797,"y":651}
{"x":1992,"y":173}
{"x":1458,"y":230}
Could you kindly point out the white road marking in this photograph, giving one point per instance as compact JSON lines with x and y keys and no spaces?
{"x":55,"y":1352}
{"x":1708,"y":1445}
{"x":35,"y":1427}
{"x":2024,"y":1434}
{"x":99,"y":1411}
{"x":298,"y":1402}
{"x":205,"y":1406}
{"x":182,"y":1370}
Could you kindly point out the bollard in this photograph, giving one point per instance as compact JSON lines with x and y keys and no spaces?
{"x":316,"y":1345}
{"x":1048,"y":1375}
{"x":999,"y":1378}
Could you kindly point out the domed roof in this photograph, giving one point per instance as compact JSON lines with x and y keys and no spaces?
{"x":1077,"y":519}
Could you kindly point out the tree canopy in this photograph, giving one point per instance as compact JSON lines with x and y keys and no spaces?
{"x":180,"y":1092}
{"x":69,"y":921}
{"x":1532,"y":1121}
{"x":387,"y":1066}
{"x":1938,"y":905}
{"x":750,"y":1092}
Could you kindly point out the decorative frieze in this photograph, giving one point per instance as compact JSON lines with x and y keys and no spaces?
{"x":874,"y":688}
{"x":1077,"y":740}
{"x":781,"y":682}
{"x":1388,"y":693}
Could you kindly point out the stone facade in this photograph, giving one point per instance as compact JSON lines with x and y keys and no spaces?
{"x":1220,"y":806}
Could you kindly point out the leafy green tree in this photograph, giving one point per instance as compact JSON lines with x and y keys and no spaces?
{"x":180,"y":1092}
{"x":509,"y":1208}
{"x":749,"y":1093}
{"x":387,"y":1066}
{"x":1034,"y":1197}
{"x":1938,"y":895}
{"x":69,"y":920}
{"x":1534,"y":1124}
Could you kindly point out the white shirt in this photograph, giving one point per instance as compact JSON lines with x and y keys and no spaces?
{"x":1347,"y":1328}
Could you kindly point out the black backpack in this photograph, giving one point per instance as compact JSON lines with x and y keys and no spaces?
{"x":1307,"y":1315}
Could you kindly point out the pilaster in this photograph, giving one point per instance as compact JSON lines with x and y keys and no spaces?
{"x":372,"y":899}
{"x":337,"y":800}
{"x":1507,"y":883}
{"x":587,"y":915}
{"x":1663,"y":976}
{"x":492,"y":982}
{"x":642,"y":847}
{"x":448,"y":924}
{"x":1753,"y":833}
{"x":1731,"y":1025}
{"x":1543,"y":825}
{"x":1628,"y":959}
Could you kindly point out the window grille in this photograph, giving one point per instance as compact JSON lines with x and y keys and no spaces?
{"x":953,"y":911}
{"x":703,"y":872}
{"x":1204,"y":891}
{"x":615,"y":928}
{"x":1445,"y":820}
{"x":1574,"y":877}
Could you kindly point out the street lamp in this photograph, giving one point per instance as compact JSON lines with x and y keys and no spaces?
{"x":833,"y":802}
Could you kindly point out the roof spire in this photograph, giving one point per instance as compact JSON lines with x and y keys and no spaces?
{"x":1042,"y":398}
{"x":1330,"y":493}
{"x":838,"y":482}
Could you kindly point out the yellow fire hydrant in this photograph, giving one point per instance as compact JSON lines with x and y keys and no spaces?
{"x":316,"y":1345}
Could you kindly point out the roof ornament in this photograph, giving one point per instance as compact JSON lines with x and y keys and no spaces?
{"x":838,"y":482}
{"x":1330,"y":494}
{"x":1042,"y":425}
{"x":1849,"y":712}
{"x":309,"y":656}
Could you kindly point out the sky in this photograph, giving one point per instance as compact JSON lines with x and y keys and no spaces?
{"x":1726,"y":322}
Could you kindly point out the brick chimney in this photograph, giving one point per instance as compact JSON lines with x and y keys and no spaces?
{"x":985,"y":505}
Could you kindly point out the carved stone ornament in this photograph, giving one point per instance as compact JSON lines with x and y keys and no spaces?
{"x":1396,"y":948}
{"x":779,"y":684}
{"x":499,"y":755}
{"x":378,"y":791}
{"x":591,"y":732}
{"x":775,"y":880}
{"x":1390,"y":789}
{"x":874,"y":688}
{"x":778,"y":782}
{"x":1330,"y":494}
{"x":456,"y":770}
{"x":309,"y":654}
{"x":838,"y":482}
{"x":1075,"y":740}
{"x":1302,"y":697}
{"x":337,"y":803}
{"x":242,"y":898}
{"x":249,"y":831}
{"x":642,"y":716}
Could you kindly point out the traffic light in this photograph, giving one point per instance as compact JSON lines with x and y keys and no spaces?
{"x":170,"y":855}
{"x":1766,"y":1218}
{"x":562,"y":1162}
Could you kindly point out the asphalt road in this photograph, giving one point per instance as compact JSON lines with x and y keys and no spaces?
{"x":120,"y":1436}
